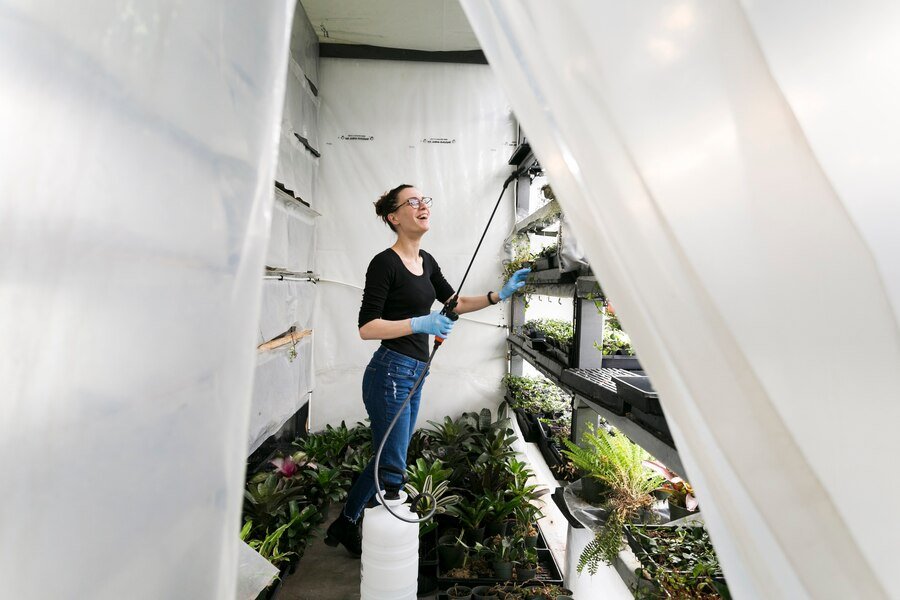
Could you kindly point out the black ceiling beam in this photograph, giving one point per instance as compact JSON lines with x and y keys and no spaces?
{"x":472,"y":57}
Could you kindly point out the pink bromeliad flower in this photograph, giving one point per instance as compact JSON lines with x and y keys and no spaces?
{"x":286,"y":467}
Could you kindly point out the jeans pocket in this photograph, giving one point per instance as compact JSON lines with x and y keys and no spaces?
{"x":401,"y":370}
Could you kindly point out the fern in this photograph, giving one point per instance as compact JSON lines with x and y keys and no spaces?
{"x":618,"y":462}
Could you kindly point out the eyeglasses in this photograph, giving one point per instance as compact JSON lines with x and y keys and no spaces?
{"x":416,"y":202}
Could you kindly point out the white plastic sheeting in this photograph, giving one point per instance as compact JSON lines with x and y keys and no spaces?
{"x":301,"y":107}
{"x":137,"y":160}
{"x":285,"y":303}
{"x":749,"y":246}
{"x":446,"y":129}
{"x":282,"y":385}
{"x":255,"y":573}
{"x":293,"y":236}
{"x":297,"y":167}
{"x":305,"y":45}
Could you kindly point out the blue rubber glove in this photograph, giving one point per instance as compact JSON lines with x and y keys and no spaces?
{"x":515,"y":283}
{"x":433,"y":324}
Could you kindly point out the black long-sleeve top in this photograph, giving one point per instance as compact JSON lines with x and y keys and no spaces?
{"x":393,"y":293}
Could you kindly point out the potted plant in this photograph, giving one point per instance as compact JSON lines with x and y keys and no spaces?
{"x":483,"y":592}
{"x":501,"y":551}
{"x":547,"y":258}
{"x":459,"y":592}
{"x":528,"y":563}
{"x":538,"y":590}
{"x":451,"y":552}
{"x":471,"y":514}
{"x":679,"y":492}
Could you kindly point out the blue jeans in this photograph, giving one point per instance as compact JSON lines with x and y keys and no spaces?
{"x":386,"y":383}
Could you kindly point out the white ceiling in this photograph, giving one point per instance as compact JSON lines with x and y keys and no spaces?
{"x":433,"y":25}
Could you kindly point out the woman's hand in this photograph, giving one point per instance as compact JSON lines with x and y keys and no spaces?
{"x":433,"y":324}
{"x":515,"y":283}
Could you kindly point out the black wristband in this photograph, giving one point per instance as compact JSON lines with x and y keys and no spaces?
{"x":489,"y":297}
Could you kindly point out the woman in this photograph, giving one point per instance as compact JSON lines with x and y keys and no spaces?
{"x":402,"y":283}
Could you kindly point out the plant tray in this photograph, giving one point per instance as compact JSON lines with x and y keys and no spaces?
{"x":621,"y":361}
{"x":597,"y":385}
{"x":542,"y":264}
{"x":527,"y":425}
{"x":552,"y":456}
{"x":638,"y":392}
{"x":644,"y":559}
{"x":656,"y":424}
{"x":549,"y":574}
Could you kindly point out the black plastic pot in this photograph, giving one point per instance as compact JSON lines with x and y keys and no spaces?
{"x":502,"y":569}
{"x":459,"y":592}
{"x":542,"y":264}
{"x":679,"y":512}
{"x":523,"y":574}
{"x":483,"y":592}
{"x":593,"y":490}
{"x":450,"y":556}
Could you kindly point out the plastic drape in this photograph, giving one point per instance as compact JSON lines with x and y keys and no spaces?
{"x":138,"y":146}
{"x":305,"y":45}
{"x":293,"y":237}
{"x":446,"y":129}
{"x":283,"y":381}
{"x":735,"y":197}
{"x":255,"y":573}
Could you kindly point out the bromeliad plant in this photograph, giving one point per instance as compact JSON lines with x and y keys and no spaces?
{"x":427,"y":488}
{"x":679,"y":492}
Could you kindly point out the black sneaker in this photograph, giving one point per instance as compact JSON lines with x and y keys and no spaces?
{"x":346,"y":532}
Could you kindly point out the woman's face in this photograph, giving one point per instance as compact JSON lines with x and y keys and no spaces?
{"x":409,"y":220}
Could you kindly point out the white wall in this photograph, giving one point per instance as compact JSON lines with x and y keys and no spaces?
{"x":403,"y":109}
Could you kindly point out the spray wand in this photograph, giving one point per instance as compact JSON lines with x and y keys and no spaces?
{"x":449,"y":311}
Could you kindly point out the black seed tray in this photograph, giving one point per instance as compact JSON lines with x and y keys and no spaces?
{"x":597,"y":385}
{"x":656,"y":424}
{"x":621,"y":361}
{"x":639,"y":393}
{"x":551,"y":574}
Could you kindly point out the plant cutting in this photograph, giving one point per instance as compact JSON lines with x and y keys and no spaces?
{"x":679,"y":492}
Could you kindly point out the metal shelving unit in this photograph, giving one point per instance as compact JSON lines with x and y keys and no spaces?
{"x":663,"y":450}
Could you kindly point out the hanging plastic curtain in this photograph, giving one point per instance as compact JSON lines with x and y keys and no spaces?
{"x":696,"y":148}
{"x":138,"y":144}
